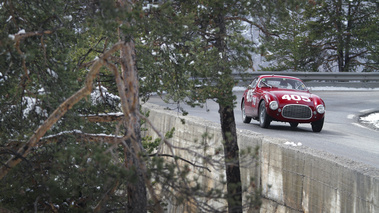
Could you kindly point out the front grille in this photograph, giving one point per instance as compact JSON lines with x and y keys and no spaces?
{"x":296,"y":111}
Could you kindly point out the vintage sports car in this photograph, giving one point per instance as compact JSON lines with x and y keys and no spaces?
{"x":282,"y":98}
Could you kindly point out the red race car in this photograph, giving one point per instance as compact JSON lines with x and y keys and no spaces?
{"x":282,"y":98}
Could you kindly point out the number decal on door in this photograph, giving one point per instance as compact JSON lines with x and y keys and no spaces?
{"x":296,"y":98}
{"x":249,"y":95}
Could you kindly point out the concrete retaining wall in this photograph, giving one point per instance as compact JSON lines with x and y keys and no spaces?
{"x":292,"y":178}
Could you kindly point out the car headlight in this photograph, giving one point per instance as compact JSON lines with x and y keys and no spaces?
{"x":320,"y":109}
{"x":274,"y":105}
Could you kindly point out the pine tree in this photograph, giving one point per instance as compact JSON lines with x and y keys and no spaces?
{"x":40,"y":71}
{"x":329,"y":35}
{"x":54,"y":53}
{"x":50,"y":48}
{"x":207,"y":50}
{"x":336,"y":28}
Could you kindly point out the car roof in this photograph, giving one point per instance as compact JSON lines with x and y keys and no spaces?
{"x":278,"y":76}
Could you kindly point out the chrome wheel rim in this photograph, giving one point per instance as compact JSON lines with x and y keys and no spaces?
{"x":262,"y":115}
{"x":243,"y":111}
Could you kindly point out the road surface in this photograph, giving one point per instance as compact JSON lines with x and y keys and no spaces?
{"x":342,"y":134}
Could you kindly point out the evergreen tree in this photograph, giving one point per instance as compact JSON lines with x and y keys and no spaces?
{"x":40,"y":70}
{"x":50,"y":48}
{"x":329,"y":35}
{"x":287,"y":43}
{"x":208,"y":49}
{"x":54,"y":154}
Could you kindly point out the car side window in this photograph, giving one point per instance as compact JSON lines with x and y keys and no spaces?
{"x":299,"y":86}
{"x":262,"y":83}
{"x":253,"y":84}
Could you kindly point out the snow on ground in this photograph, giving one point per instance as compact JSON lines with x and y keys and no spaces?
{"x":372,"y":119}
{"x":292,"y":144}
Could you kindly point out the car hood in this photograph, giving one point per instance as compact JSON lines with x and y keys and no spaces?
{"x":293,"y":96}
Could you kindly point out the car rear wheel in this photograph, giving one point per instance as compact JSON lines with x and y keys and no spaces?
{"x":245,"y":118}
{"x":264,"y":118}
{"x":317,"y":125}
{"x":294,"y":124}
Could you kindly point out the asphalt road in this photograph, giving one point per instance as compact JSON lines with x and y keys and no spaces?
{"x":342,"y":134}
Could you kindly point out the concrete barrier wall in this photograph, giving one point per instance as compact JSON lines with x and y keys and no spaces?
{"x":293,"y":178}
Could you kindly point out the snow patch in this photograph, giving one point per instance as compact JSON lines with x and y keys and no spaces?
{"x":63,"y":133}
{"x":52,"y":73}
{"x":75,"y":131}
{"x":101,"y":95}
{"x":22,"y":31}
{"x":31,"y":105}
{"x":10,"y":17}
{"x":239,"y":89}
{"x":42,"y":91}
{"x":371,"y":119}
{"x":149,"y":6}
{"x":292,"y":144}
{"x":3,"y":78}
{"x":104,"y":114}
{"x":69,"y":17}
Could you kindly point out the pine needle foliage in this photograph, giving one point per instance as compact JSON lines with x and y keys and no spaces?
{"x":46,"y":50}
{"x":328,"y":35}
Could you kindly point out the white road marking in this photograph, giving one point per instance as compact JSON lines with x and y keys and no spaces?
{"x":351,"y":116}
{"x":366,"y":110}
{"x":359,"y":125}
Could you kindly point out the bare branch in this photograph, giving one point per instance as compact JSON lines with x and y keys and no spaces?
{"x":105,"y":197}
{"x":104,"y":118}
{"x":180,"y":158}
{"x":111,"y":139}
{"x":121,"y":88}
{"x":59,"y":112}
{"x":170,"y":145}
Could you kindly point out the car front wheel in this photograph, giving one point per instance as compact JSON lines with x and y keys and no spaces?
{"x":245,"y":118}
{"x":264,"y":118}
{"x":317,"y":125}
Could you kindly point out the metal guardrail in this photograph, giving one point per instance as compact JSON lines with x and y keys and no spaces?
{"x":315,"y":79}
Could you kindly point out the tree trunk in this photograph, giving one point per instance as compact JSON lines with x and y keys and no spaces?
{"x":231,"y":152}
{"x":128,"y":89}
{"x":136,"y":189}
{"x":348,"y":39}
{"x":133,"y":149}
{"x":340,"y":42}
{"x":228,"y":128}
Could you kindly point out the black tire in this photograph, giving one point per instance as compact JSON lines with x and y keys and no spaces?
{"x":294,"y":124}
{"x":245,"y":119}
{"x":317,"y":125}
{"x":264,"y":118}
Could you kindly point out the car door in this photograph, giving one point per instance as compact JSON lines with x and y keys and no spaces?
{"x":249,"y":107}
{"x":255,"y":97}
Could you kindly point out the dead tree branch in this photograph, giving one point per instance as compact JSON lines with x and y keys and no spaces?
{"x":59,"y":112}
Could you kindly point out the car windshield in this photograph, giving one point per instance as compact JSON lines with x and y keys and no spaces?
{"x":283,"y":83}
